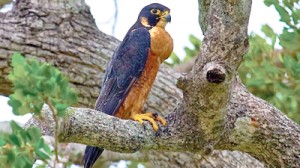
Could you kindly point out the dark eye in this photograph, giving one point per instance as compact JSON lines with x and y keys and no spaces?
{"x":154,"y":11}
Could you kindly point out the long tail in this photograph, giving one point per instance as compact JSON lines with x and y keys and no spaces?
{"x":91,"y":154}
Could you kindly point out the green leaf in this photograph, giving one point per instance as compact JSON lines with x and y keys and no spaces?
{"x":284,"y":15}
{"x":19,"y":68}
{"x":10,"y":156}
{"x":270,"y":2}
{"x":289,"y":4}
{"x":34,"y":133}
{"x":15,"y":104}
{"x":15,"y":127}
{"x":2,"y":142}
{"x":195,"y":41}
{"x":47,"y":149}
{"x":61,"y":108}
{"x":19,"y":162}
{"x":28,"y":162}
{"x":15,"y":140}
{"x":296,"y":16}
{"x":42,"y":155}
{"x":175,"y":58}
{"x":268,"y":31}
{"x":40,"y":143}
{"x":189,"y":52}
{"x":18,"y":59}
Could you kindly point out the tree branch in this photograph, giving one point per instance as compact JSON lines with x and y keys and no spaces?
{"x":128,"y":135}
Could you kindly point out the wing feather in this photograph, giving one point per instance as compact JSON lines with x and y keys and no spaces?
{"x":125,"y":67}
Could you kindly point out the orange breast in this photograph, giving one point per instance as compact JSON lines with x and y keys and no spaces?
{"x":161,"y":48}
{"x":138,"y":94}
{"x":161,"y":43}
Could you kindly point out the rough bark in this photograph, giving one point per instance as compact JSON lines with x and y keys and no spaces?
{"x":215,"y":110}
{"x":219,"y":159}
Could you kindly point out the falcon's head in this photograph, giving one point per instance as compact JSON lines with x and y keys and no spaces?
{"x":154,"y":15}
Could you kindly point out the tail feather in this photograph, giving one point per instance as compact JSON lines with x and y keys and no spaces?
{"x":91,"y":154}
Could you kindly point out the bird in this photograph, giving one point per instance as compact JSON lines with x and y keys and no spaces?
{"x":132,"y":70}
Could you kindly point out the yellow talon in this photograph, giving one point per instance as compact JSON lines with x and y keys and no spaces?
{"x":161,"y":120}
{"x":149,"y":117}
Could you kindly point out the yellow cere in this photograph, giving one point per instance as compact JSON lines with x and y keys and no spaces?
{"x":165,"y":13}
{"x":162,"y":21}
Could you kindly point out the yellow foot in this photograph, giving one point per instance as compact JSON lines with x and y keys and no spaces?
{"x":149,"y":117}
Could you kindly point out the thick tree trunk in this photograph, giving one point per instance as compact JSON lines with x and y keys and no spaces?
{"x":215,"y":111}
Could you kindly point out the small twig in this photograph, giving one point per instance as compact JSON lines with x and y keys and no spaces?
{"x":54,"y":113}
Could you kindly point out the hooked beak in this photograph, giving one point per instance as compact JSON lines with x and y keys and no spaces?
{"x":168,"y":17}
{"x":164,"y":19}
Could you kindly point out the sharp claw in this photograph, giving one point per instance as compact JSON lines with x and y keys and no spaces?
{"x":151,"y":117}
{"x":161,"y":120}
{"x":155,"y":127}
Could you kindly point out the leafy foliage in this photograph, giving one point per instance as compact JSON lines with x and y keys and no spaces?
{"x":34,"y":84}
{"x":19,"y":148}
{"x":271,"y":73}
{"x":38,"y":83}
